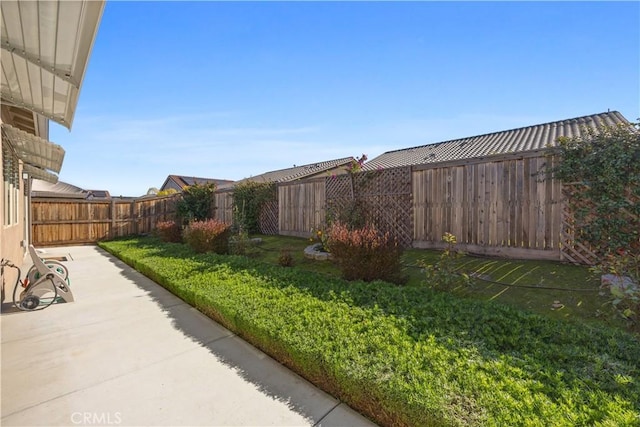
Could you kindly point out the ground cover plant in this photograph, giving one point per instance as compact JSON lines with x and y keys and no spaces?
{"x":408,"y":355}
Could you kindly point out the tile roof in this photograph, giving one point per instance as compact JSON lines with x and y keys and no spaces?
{"x":509,"y":141}
{"x":296,"y":172}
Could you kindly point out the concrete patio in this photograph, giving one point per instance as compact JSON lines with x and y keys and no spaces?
{"x":127,"y":352}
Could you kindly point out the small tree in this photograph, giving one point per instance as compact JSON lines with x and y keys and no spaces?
{"x":196,"y":203}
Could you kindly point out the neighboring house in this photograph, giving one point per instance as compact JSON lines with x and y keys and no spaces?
{"x":530,"y":138}
{"x":179,"y":182}
{"x":45,"y":49}
{"x":63,"y":190}
{"x":312,"y":170}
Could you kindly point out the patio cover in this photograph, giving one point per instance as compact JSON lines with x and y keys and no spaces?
{"x":45,"y":50}
{"x":41,"y":155}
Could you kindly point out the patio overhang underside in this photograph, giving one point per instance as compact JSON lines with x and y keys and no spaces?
{"x":42,"y":159}
{"x":45,"y":50}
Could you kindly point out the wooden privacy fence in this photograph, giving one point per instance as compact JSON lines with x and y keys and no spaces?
{"x":69,"y":221}
{"x":501,"y":205}
{"x":301,"y":206}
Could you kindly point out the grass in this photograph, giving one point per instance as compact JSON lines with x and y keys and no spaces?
{"x":407,"y":355}
{"x":528,"y":280}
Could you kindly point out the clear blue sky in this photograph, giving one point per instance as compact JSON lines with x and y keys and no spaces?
{"x":234,"y":89}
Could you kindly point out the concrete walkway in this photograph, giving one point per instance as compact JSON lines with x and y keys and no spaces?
{"x":127,"y":352}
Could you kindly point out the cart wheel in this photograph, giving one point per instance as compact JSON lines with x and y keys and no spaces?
{"x":30,"y":302}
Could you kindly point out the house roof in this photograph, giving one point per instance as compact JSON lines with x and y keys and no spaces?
{"x":186,"y":181}
{"x":528,"y":138}
{"x":41,"y":188}
{"x":295,"y":172}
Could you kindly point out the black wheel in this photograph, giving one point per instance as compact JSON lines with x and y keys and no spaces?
{"x":30,"y":302}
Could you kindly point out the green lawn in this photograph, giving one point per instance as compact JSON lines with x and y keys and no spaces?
{"x":585,"y":304}
{"x":408,"y":355}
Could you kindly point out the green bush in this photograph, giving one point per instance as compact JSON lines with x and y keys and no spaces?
{"x":624,"y":290}
{"x":408,"y":356}
{"x":365,"y":253}
{"x":169,"y":231}
{"x":208,"y":236}
{"x":249,"y":198}
{"x":196,"y":203}
{"x":602,"y":170}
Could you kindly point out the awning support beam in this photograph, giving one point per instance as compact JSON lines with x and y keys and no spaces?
{"x":35,"y":60}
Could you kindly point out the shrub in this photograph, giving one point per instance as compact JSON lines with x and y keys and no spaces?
{"x":196,"y":203}
{"x":169,"y":231}
{"x":249,"y":198}
{"x":444,"y":273}
{"x":365,"y":253}
{"x":241,"y":244}
{"x":623,"y":283}
{"x":602,"y":170}
{"x":208,"y":236}
{"x":285,"y":259}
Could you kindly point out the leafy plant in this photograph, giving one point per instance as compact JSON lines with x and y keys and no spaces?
{"x":319,"y":235}
{"x":169,"y":231}
{"x":365,"y":253}
{"x":285,"y":259}
{"x":621,"y":278}
{"x":445,"y":274}
{"x":209,"y":235}
{"x":249,"y":199}
{"x":241,"y":244}
{"x":354,"y":214}
{"x":167,"y":192}
{"x":601,"y":173}
{"x":196,"y":203}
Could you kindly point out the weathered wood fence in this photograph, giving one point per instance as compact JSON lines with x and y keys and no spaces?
{"x":500,"y":205}
{"x":71,"y":221}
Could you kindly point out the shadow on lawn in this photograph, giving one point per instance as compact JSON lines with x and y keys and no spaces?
{"x":539,"y":346}
{"x":269,"y":376}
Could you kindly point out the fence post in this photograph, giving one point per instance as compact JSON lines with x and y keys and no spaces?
{"x":132,"y":217}
{"x":112,"y":217}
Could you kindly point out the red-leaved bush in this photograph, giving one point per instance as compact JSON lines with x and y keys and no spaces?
{"x":209,"y":235}
{"x":169,"y":231}
{"x":365,"y":253}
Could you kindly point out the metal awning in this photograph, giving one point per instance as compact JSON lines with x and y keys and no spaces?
{"x":45,"y":50}
{"x":38,"y":173}
{"x":46,"y":157}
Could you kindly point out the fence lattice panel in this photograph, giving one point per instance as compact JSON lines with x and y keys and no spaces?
{"x":575,"y":249}
{"x":384,"y":194}
{"x":268,"y":221}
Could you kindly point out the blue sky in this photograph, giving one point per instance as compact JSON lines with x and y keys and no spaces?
{"x":234,"y":89}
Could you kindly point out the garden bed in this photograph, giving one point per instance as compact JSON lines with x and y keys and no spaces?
{"x":408,"y":355}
